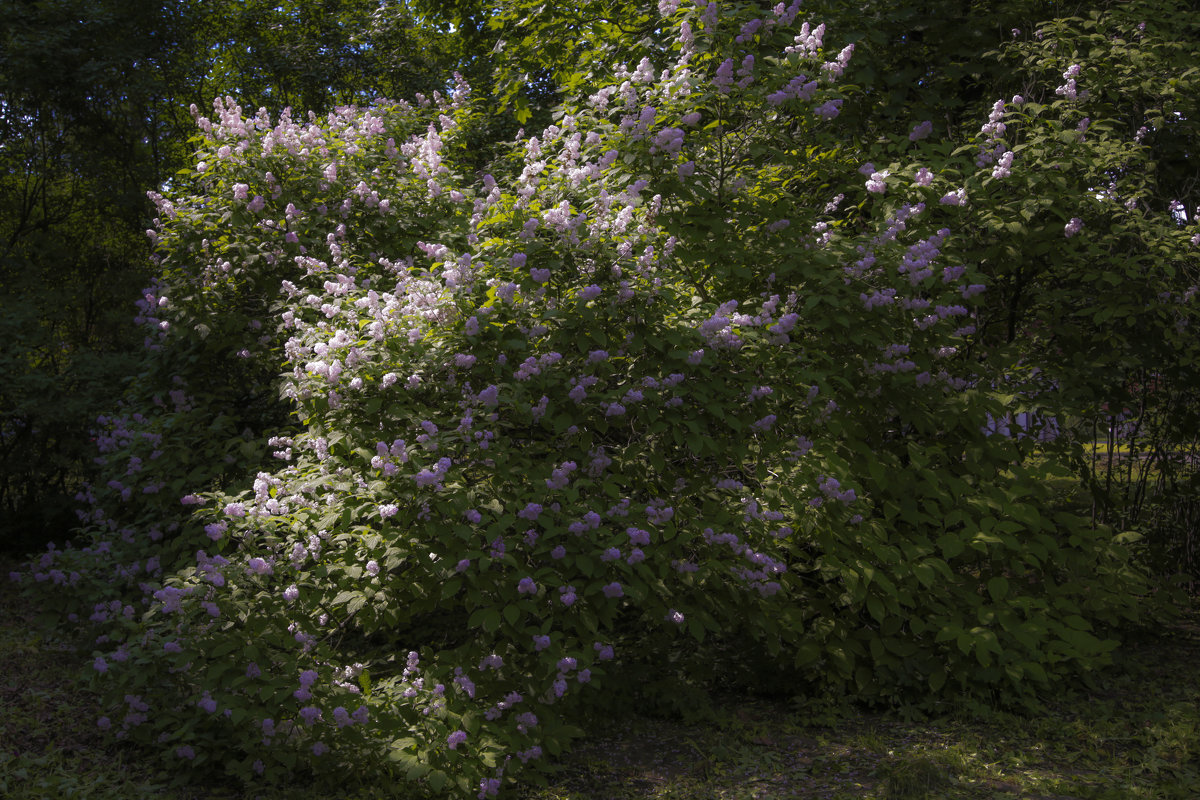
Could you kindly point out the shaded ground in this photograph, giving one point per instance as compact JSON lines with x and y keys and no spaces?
{"x":1134,"y":734}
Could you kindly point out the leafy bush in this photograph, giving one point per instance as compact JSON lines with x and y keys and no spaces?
{"x":679,"y":376}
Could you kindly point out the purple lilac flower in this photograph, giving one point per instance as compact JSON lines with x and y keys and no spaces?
{"x":724,"y":76}
{"x":1003,"y":167}
{"x":921,"y":131}
{"x":764,"y":424}
{"x":489,"y":396}
{"x":464,"y":683}
{"x":829,"y":110}
{"x":531,"y":753}
{"x":955,"y":198}
{"x":258,"y":566}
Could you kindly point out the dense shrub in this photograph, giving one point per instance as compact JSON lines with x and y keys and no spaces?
{"x":680,"y":375}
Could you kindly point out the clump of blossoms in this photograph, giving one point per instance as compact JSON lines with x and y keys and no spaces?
{"x":546,"y":416}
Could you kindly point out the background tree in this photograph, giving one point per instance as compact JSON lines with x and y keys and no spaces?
{"x":88,"y":121}
{"x":94,"y":101}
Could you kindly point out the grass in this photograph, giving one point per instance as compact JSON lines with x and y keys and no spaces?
{"x":1134,"y":733}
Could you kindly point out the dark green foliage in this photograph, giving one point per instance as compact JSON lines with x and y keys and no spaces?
{"x":724,"y":371}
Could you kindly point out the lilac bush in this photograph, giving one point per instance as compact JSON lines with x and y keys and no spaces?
{"x":653,"y":383}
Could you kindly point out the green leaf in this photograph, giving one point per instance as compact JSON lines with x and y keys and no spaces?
{"x":490,"y":620}
{"x":512,"y":614}
{"x":1034,"y":670}
{"x":951,"y":545}
{"x":875,"y":606}
{"x":925,"y":574}
{"x":1077,"y":622}
{"x":521,"y":110}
